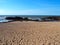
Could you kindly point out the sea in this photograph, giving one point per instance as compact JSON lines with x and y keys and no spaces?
{"x":2,"y":17}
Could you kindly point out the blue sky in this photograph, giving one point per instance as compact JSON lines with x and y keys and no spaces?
{"x":29,"y":7}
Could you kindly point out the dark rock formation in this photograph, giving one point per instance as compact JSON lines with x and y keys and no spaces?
{"x":26,"y":19}
{"x":51,"y":18}
{"x":14,"y":18}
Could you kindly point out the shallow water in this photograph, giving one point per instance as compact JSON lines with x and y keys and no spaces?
{"x":2,"y":19}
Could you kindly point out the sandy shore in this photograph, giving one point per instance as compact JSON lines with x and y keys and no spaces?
{"x":30,"y":33}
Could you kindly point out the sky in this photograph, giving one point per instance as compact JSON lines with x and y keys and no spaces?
{"x":29,"y":7}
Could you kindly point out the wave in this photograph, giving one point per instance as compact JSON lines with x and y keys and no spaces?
{"x":2,"y":19}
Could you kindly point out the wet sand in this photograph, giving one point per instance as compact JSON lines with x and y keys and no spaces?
{"x":30,"y":33}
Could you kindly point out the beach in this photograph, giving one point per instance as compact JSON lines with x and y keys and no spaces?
{"x":30,"y":33}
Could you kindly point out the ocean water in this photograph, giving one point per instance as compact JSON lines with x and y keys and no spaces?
{"x":2,"y":17}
